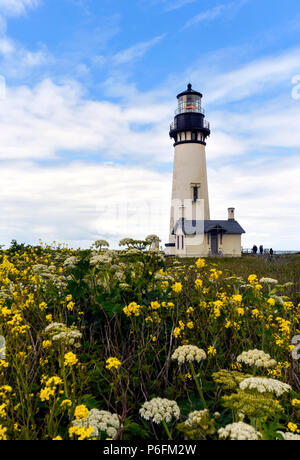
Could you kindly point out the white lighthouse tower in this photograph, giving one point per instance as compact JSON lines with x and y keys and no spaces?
{"x":192,"y":233}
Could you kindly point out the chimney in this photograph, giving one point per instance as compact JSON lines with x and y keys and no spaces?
{"x":231,"y":213}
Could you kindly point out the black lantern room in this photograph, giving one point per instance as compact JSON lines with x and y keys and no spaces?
{"x":189,"y":117}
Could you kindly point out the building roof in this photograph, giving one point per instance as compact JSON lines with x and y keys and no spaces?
{"x":189,"y":90}
{"x":192,"y":227}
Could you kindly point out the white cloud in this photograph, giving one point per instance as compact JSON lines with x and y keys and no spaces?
{"x":41,"y":122}
{"x":79,"y":203}
{"x":67,"y":201}
{"x":208,"y":15}
{"x":136,"y":51}
{"x":16,"y":7}
{"x":213,"y":13}
{"x":169,"y":5}
{"x":253,"y":78}
{"x":266,"y":196}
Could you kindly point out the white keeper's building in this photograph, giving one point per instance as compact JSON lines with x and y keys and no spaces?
{"x":192,"y":233}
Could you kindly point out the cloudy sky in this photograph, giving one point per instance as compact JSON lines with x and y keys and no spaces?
{"x":88,"y":89}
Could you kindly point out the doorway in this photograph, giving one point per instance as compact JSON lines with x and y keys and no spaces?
{"x":214,"y":243}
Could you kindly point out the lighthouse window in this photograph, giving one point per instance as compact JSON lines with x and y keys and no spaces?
{"x":182,"y":242}
{"x":195,"y":193}
{"x":194,"y":136}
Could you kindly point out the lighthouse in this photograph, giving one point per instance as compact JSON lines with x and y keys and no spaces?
{"x":192,"y":233}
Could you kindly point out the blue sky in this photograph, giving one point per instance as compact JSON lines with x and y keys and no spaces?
{"x":90,"y":90}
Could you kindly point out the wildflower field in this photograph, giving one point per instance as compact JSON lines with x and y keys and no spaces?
{"x":127,"y":345}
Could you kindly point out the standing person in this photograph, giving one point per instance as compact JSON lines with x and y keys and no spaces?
{"x":271,"y":252}
{"x":261,"y":249}
{"x":254,"y":249}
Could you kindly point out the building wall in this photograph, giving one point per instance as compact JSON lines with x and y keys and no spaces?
{"x":189,"y":167}
{"x":197,"y":246}
{"x":232,"y":245}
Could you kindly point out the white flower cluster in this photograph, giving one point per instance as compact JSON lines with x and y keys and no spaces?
{"x":265,"y":385}
{"x":101,"y":259}
{"x":71,"y":261}
{"x":5,"y":294}
{"x":101,"y":244}
{"x":289,"y":436}
{"x":59,"y":332}
{"x":197,"y":417}
{"x":133,"y":252}
{"x":268,"y":281}
{"x":159,"y":409}
{"x":239,"y":432}
{"x":257,"y":358}
{"x":40,"y":269}
{"x":188,"y":354}
{"x":101,"y":421}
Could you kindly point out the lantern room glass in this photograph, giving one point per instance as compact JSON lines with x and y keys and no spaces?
{"x":189,"y":103}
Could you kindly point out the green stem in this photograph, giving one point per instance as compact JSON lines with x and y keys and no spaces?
{"x":167,"y":430}
{"x":198,"y":385}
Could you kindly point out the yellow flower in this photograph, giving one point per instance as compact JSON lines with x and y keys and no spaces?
{"x":58,"y":438}
{"x":252,"y":279}
{"x":200,"y":263}
{"x":66,"y":403}
{"x":50,"y":387}
{"x":177,"y":287}
{"x":177,"y":332}
{"x":237,"y":298}
{"x":3,"y":431}
{"x":255,"y":313}
{"x":296,"y":402}
{"x":240,"y":311}
{"x":198,"y":283}
{"x":70,"y":306}
{"x":212,"y":351}
{"x":71,"y":359}
{"x":43,"y":306}
{"x":190,"y":310}
{"x":149,"y":319}
{"x":271,"y":302}
{"x":2,"y":410}
{"x":181,"y":325}
{"x":227,"y":324}
{"x":258,"y":287}
{"x":190,"y":325}
{"x":82,"y":433}
{"x":113,"y":363}
{"x":47,"y":344}
{"x":81,"y":412}
{"x":215,"y":274}
{"x":236,"y":366}
{"x":132,"y":309}
{"x":292,"y":427}
{"x":155,"y":305}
